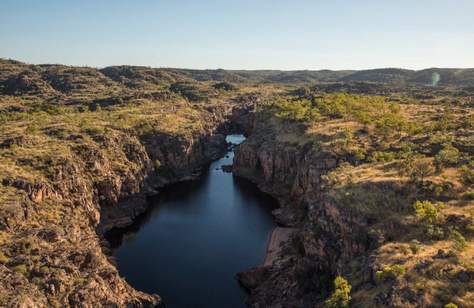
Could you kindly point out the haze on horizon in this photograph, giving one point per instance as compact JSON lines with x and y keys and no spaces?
{"x":240,"y":34}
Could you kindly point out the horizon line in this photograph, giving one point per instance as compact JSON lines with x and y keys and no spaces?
{"x":237,"y":69}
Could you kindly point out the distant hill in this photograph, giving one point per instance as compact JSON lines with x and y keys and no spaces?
{"x":21,"y":78}
{"x":397,"y":76}
{"x":383,"y":75}
{"x":447,"y":76}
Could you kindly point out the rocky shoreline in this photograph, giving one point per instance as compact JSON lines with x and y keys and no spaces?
{"x":298,"y":268}
{"x":78,"y":253}
{"x":204,"y":150}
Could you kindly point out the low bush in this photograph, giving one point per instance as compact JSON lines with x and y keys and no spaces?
{"x":380,"y":156}
{"x":340,"y":298}
{"x":415,"y":246}
{"x":468,"y":195}
{"x":428,"y":213}
{"x":467,"y":173}
{"x":447,"y":157}
{"x":390,"y":272}
{"x":458,"y":239}
{"x":156,"y":164}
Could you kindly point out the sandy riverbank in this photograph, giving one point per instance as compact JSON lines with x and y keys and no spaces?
{"x":278,"y":236}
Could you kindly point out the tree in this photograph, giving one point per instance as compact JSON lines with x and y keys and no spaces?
{"x":426,"y":211}
{"x":340,"y":298}
{"x":431,"y":217}
{"x":417,"y":168}
{"x":448,"y":156}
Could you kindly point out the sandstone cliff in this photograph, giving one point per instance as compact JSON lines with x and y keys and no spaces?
{"x":352,"y":220}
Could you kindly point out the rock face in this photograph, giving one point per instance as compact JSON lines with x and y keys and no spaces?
{"x":179,"y":159}
{"x":327,"y":236}
{"x":68,"y":262}
{"x":81,"y":149}
{"x":292,"y":175}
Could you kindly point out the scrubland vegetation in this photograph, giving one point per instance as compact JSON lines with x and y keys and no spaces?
{"x":404,"y":165}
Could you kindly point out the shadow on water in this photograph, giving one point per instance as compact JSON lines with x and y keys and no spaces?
{"x":196,"y":236}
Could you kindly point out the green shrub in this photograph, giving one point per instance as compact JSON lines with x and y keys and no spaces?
{"x":468,"y":195}
{"x":299,"y":110}
{"x":450,"y":305}
{"x":302,"y":92}
{"x":426,"y":211}
{"x":415,"y":246}
{"x":44,"y":270}
{"x":340,"y":298}
{"x":385,"y":157}
{"x":429,"y":214}
{"x":445,"y":122}
{"x":467,"y":174}
{"x":444,"y":188}
{"x":359,"y":154}
{"x":390,"y":272}
{"x":417,"y":168}
{"x":448,"y":156}
{"x":37,"y":280}
{"x":460,"y":243}
{"x":390,"y":124}
{"x":434,"y":232}
{"x":343,"y":142}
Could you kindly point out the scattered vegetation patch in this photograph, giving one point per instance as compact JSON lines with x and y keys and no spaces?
{"x":390,"y":272}
{"x":340,"y":298}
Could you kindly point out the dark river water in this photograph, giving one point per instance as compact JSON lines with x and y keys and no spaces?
{"x":196,"y":237}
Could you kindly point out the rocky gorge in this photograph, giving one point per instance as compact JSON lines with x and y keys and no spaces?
{"x":375,"y":190}
{"x":332,"y":222}
{"x":57,"y":224}
{"x":76,"y":247}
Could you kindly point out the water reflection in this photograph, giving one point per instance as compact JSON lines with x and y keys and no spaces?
{"x":196,"y":237}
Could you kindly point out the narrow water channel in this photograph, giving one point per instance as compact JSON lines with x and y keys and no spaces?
{"x":196,"y":237}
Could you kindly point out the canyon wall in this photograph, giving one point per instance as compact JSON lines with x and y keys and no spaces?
{"x":328,"y":237}
{"x":104,"y":185}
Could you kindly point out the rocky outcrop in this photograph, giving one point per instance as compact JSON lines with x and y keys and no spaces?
{"x":327,"y":236}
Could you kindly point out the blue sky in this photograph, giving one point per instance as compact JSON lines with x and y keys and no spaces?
{"x":240,"y":34}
